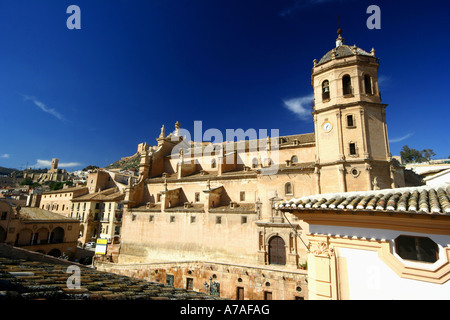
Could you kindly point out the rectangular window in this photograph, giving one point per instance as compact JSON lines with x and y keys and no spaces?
{"x":4,"y":214}
{"x":242,"y":195}
{"x":218,"y":220}
{"x":172,"y":219}
{"x":158,"y":197}
{"x":192,"y":219}
{"x":151,"y":218}
{"x":243,"y":220}
{"x":133,"y":217}
{"x":169,"y":280}
{"x":197,"y":197}
{"x":350,"y":122}
{"x":352,"y":148}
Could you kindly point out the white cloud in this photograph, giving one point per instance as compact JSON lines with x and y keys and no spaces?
{"x":44,"y":108}
{"x":401,"y":138}
{"x":384,"y":81}
{"x":301,"y":106}
{"x":5,"y":156}
{"x":47,"y":163}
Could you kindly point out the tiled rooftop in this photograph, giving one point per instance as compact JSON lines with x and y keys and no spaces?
{"x":24,"y":279}
{"x":342,"y":51}
{"x":38,"y":214}
{"x":414,"y":200}
{"x":111,"y":194}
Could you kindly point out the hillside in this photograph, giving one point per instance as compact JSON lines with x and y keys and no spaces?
{"x":126,"y":163}
{"x":5,"y":171}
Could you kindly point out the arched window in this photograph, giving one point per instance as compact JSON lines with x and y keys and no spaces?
{"x":213,"y":163}
{"x":288,"y":188}
{"x":294,"y":160}
{"x":325,"y":90}
{"x":346,"y":85}
{"x":368,"y":84}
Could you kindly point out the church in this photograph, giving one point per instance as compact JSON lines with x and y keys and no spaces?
{"x":204,"y":218}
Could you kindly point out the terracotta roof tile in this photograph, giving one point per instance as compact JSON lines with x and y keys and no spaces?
{"x":415,"y":200}
{"x":22,"y":279}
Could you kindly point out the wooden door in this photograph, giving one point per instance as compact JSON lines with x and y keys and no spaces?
{"x":277,"y":251}
{"x":240,"y":293}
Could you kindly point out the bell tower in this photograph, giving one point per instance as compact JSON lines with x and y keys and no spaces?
{"x":352,"y":149}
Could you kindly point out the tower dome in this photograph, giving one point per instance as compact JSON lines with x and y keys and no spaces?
{"x":342,"y":50}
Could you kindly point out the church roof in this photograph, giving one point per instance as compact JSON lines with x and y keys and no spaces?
{"x":343,"y":51}
{"x":416,"y":200}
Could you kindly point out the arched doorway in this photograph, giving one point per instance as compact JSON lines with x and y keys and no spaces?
{"x":277,"y":251}
{"x":24,"y":237}
{"x":41,"y":236}
{"x":57,"y":235}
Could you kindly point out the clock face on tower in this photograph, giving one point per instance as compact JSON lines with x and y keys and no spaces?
{"x":327,"y":127}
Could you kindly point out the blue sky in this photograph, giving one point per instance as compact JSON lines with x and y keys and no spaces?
{"x":89,"y":96}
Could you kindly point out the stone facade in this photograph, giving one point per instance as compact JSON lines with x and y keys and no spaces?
{"x":208,"y":203}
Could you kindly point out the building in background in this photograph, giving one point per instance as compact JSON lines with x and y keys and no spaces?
{"x":53,"y":174}
{"x":38,"y":230}
{"x":100,"y":214}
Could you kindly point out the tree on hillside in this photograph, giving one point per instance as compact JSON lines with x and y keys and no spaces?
{"x":90,"y":168}
{"x":411,"y":155}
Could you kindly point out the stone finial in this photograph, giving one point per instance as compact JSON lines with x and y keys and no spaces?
{"x":372,"y":52}
{"x":340,"y":40}
{"x":163,"y":132}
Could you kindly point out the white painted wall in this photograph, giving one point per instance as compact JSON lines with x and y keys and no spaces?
{"x":370,"y":279}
